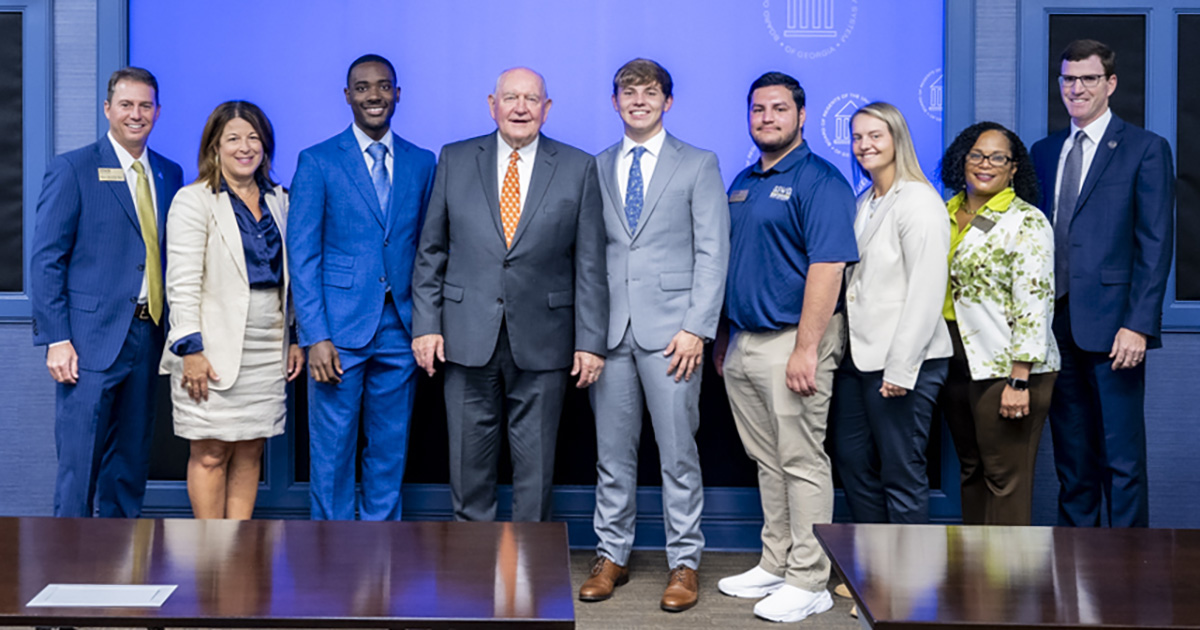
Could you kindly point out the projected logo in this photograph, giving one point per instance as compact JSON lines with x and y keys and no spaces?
{"x":931,"y":94}
{"x":752,"y":155}
{"x":835,"y":121}
{"x":810,"y":29}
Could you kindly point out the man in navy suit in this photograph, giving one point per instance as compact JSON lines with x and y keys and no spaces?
{"x":97,"y":297}
{"x":1109,"y":189}
{"x":357,"y":203}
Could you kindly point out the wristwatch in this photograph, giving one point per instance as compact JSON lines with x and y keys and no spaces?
{"x":1019,"y":384}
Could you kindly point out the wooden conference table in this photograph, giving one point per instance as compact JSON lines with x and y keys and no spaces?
{"x":929,"y":576}
{"x":299,"y":574}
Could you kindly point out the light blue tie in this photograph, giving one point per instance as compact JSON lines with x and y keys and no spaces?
{"x":634,"y":193}
{"x":379,"y":175}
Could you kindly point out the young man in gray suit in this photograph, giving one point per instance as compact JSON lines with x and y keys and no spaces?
{"x":508,"y":291}
{"x":667,"y":224}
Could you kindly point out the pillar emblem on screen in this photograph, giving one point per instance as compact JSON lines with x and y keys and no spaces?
{"x":835,"y":121}
{"x":810,"y":29}
{"x":931,"y":94}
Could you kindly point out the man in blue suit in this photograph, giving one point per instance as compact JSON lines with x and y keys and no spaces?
{"x":97,"y":297}
{"x":1109,"y":189}
{"x":357,"y":204}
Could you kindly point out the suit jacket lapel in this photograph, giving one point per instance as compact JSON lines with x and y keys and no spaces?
{"x":486,"y":160}
{"x":1104,"y":153}
{"x":356,"y":168}
{"x":607,"y":163}
{"x":164,"y":199}
{"x":1054,"y":151}
{"x":227,"y":226}
{"x":873,"y":223}
{"x":543,"y":171}
{"x":668,"y":162}
{"x":400,"y":185}
{"x":107,"y":158}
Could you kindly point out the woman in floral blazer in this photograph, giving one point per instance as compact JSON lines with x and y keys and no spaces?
{"x":999,"y":307}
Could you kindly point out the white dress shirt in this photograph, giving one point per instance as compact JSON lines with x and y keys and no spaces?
{"x":525,"y":156}
{"x":131,"y":176}
{"x":1094,"y":132}
{"x":649,"y":161}
{"x":365,"y":141}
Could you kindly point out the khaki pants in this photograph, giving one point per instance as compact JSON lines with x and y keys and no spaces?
{"x":784,"y":433}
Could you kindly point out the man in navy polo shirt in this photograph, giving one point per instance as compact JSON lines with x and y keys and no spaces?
{"x":792,"y":234}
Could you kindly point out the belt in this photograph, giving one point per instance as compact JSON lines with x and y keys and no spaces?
{"x":142,"y":312}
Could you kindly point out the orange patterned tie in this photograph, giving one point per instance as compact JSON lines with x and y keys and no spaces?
{"x":510,"y":199}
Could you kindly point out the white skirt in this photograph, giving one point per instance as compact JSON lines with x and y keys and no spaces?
{"x":255,"y":406}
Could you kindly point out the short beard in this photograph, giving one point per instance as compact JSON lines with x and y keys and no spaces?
{"x":777,"y":146}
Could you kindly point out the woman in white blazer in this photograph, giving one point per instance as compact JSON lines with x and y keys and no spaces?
{"x":999,"y":306}
{"x":228,"y":350}
{"x":885,"y":390}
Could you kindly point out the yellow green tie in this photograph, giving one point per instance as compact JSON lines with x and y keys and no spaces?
{"x":145,"y":211}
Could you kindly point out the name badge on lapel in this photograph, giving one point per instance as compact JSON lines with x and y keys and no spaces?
{"x":983,"y":224}
{"x":111,"y":174}
{"x":738,"y":196}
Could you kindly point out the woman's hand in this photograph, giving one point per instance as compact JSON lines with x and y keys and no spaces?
{"x":295,"y":362}
{"x":1014,"y":403}
{"x":196,"y":374}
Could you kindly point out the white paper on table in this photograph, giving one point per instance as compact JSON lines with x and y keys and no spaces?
{"x":103,"y":595}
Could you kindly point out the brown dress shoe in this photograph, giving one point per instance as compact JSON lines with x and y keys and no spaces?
{"x":683,"y":590}
{"x":606,"y":577}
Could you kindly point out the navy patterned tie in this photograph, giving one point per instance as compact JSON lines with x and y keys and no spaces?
{"x":634,"y":193}
{"x":379,"y":175}
{"x":1068,"y":195}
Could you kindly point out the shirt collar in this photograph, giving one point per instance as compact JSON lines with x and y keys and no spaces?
{"x":998,"y":203}
{"x":126,"y":159}
{"x":1094,"y":130}
{"x":794,"y":157}
{"x":526,"y":152}
{"x":653,"y":146}
{"x":365,"y":141}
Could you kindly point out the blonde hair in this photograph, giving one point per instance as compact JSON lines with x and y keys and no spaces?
{"x":908,"y":168}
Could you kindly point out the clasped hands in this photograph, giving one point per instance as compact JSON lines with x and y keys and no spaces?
{"x":430,"y":348}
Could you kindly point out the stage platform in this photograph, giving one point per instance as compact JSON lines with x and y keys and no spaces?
{"x":296,"y":574}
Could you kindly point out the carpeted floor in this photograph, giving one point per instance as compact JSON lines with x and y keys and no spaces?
{"x":635,"y":605}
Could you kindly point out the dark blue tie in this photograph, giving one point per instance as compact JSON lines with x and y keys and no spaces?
{"x":634,"y":193}
{"x":379,"y":175}
{"x":1068,"y":196}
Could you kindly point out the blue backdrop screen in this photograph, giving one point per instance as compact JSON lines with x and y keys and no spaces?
{"x":290,"y":57}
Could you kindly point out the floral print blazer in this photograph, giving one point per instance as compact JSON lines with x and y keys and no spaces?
{"x":1002,"y":285}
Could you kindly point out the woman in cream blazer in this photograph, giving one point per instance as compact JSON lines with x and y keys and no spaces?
{"x":228,"y":350}
{"x":885,"y":390}
{"x":999,"y":307}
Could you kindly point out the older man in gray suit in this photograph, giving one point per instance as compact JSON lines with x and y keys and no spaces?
{"x":667,"y":222}
{"x":508,"y":291}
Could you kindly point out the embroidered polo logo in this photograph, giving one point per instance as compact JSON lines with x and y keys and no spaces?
{"x":781,"y":193}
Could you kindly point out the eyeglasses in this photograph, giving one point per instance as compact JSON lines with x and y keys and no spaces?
{"x":1088,"y":80}
{"x":996,"y":159}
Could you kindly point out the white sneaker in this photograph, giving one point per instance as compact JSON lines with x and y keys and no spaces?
{"x":754,"y":583}
{"x":793,"y":604}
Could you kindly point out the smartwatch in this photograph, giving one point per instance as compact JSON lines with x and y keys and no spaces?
{"x":1019,"y":384}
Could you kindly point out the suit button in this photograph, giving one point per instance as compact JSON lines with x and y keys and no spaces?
{"x":142,"y":267}
{"x":634,"y":248}
{"x":383,"y":278}
{"x":850,"y":299}
{"x":507,"y":264}
{"x":133,"y":300}
{"x":499,"y":300}
{"x":385,"y":243}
